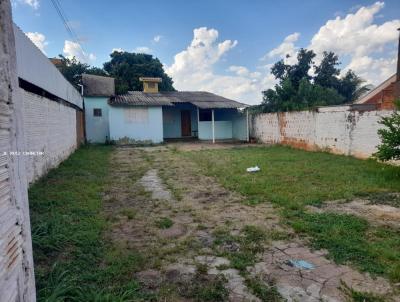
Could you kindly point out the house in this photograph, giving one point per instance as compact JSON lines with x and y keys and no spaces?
{"x":382,"y":97}
{"x":152,"y":116}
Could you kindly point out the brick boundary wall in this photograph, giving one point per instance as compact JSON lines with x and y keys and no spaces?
{"x":338,"y":130}
{"x":16,"y":264}
{"x":50,"y":133}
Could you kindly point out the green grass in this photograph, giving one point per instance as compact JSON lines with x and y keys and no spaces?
{"x":293,"y":178}
{"x":164,"y":223}
{"x":73,"y":262}
{"x":266,"y":292}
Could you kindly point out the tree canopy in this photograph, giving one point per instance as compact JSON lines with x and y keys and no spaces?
{"x":305,"y":85}
{"x":125,"y":67}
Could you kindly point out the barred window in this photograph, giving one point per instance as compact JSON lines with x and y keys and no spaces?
{"x":97,"y":112}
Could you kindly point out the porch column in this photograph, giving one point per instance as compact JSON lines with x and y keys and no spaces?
{"x":198,"y":123}
{"x":247,"y":125}
{"x":213,"y":126}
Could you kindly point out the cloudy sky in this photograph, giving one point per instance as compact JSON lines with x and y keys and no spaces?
{"x":223,"y":46}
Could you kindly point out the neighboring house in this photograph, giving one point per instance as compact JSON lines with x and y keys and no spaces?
{"x":150,"y":116}
{"x":382,"y":96}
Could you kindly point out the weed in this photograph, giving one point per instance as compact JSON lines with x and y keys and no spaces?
{"x":129,"y":213}
{"x":265,"y":291}
{"x":164,"y":223}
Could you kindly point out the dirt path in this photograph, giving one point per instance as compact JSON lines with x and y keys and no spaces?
{"x":201,"y":242}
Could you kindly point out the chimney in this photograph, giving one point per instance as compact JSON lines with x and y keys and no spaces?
{"x":150,"y":85}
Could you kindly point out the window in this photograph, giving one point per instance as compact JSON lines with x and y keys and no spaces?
{"x":97,"y":112}
{"x":205,"y":115}
{"x":151,"y":85}
{"x":136,"y":115}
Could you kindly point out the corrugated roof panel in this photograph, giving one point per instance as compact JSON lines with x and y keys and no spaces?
{"x":201,"y":99}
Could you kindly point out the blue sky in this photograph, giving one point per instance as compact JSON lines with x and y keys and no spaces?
{"x":225,"y":47}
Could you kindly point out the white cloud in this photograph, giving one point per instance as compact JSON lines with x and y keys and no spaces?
{"x":38,"y":39}
{"x":157,"y":38}
{"x":73,"y":49}
{"x":32,"y":3}
{"x":364,"y":45}
{"x":357,"y":38}
{"x":143,"y":49}
{"x":193,"y":69}
{"x":286,"y":48}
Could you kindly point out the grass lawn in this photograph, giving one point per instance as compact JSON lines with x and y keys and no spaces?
{"x":293,"y":178}
{"x":72,"y":261}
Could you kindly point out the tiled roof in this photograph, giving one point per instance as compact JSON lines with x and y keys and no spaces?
{"x":201,"y":99}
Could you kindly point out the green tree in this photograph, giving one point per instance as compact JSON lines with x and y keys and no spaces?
{"x":72,"y":70}
{"x":389,"y":149}
{"x":127,"y":68}
{"x":326,"y":73}
{"x":298,"y":90}
{"x":352,"y":86}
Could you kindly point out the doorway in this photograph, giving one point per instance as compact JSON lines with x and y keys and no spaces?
{"x":186,"y":124}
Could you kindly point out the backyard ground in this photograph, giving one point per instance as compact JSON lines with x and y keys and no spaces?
{"x":186,"y":222}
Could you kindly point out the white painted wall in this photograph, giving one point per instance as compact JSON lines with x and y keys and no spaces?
{"x":17,"y":283}
{"x":50,"y":127}
{"x":335,"y":129}
{"x":34,"y":67}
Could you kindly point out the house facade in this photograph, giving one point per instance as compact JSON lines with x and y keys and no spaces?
{"x":150,"y":116}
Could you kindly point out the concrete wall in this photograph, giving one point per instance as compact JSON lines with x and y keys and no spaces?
{"x":172,"y":120}
{"x":136,"y":124}
{"x":335,"y":129}
{"x":34,"y":67}
{"x":239,"y":126}
{"x":229,"y":124}
{"x":97,"y":127}
{"x":222,"y":130}
{"x":16,"y":264}
{"x":50,"y":132}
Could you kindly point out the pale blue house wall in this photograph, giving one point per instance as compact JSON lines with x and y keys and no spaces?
{"x":239,"y":126}
{"x":229,"y":124}
{"x":222,"y":130}
{"x":97,"y":127}
{"x":172,"y":120}
{"x":141,"y":124}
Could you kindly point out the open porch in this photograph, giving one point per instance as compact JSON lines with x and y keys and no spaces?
{"x":188,"y":121}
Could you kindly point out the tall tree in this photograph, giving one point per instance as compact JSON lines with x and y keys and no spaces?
{"x":351,"y":86}
{"x":299,"y":90}
{"x":326,"y":73}
{"x":72,"y":70}
{"x":127,"y":68}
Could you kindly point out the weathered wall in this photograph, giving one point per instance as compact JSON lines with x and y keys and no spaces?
{"x":50,"y":128}
{"x":97,"y":127}
{"x":136,"y":123}
{"x":16,"y":263}
{"x":335,"y":129}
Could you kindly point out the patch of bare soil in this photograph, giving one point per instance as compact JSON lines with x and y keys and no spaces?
{"x":197,"y":145}
{"x":163,"y":206}
{"x":321,"y":280}
{"x":376,"y":214}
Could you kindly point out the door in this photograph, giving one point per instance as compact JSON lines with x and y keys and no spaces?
{"x":186,"y":125}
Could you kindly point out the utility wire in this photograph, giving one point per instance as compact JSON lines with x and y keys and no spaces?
{"x":63,"y":16}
